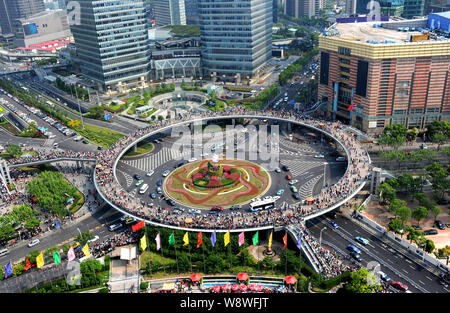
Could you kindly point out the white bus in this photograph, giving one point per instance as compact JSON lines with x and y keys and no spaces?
{"x":143,"y":188}
{"x":263,"y":204}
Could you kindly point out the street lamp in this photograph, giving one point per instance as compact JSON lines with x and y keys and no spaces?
{"x":320,"y":239}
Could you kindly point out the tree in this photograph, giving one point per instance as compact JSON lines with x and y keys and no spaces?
{"x":14,"y":150}
{"x":413,"y":234}
{"x":89,"y":269}
{"x":419,"y":213}
{"x":439,"y":132}
{"x":84,"y":237}
{"x":404,"y":214}
{"x":395,"y":205}
{"x":441,"y":184}
{"x":96,"y":111}
{"x":386,"y":193}
{"x":395,"y":225}
{"x":160,"y":117}
{"x":394,"y":135}
{"x":362,"y":281}
{"x":435,"y":211}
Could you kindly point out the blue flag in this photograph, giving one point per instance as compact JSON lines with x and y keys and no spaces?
{"x":299,"y":243}
{"x":57,"y":224}
{"x":213,"y":238}
{"x":8,"y":269}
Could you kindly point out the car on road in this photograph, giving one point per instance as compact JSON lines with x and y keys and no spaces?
{"x":430,"y":232}
{"x":439,"y":224}
{"x":178,"y":164}
{"x":288,"y":177}
{"x":235,"y":207}
{"x":352,"y":248}
{"x":278,"y":170}
{"x":150,"y":173}
{"x":136,"y":176}
{"x":166,"y":172}
{"x":285,"y":168}
{"x":280,"y":192}
{"x":399,"y":285}
{"x":292,"y":182}
{"x":159,"y":182}
{"x":85,"y":142}
{"x":217,"y":208}
{"x":139,"y":182}
{"x":293,"y":188}
{"x":94,"y":239}
{"x":152,"y":195}
{"x":128,"y":221}
{"x":333,"y":224}
{"x":171,"y":202}
{"x":192,"y":160}
{"x":114,"y":227}
{"x":383,"y":276}
{"x":296,"y":196}
{"x":33,"y":242}
{"x":194,"y":211}
{"x":362,"y":240}
{"x":356,"y":256}
{"x":158,"y":190}
{"x":319,"y":156}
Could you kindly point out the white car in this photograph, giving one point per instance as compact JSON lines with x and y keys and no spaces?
{"x":195,"y":211}
{"x":33,"y":243}
{"x":292,"y":182}
{"x":192,"y":159}
{"x":150,"y":173}
{"x":319,"y":156}
{"x":166,"y":172}
{"x":94,"y":239}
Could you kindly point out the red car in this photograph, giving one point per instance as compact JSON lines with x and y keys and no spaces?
{"x":288,"y":177}
{"x":399,"y":285}
{"x":217,"y":208}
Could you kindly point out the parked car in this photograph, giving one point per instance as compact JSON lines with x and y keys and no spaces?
{"x":217,"y":208}
{"x":319,"y":156}
{"x":439,"y":224}
{"x":195,"y":211}
{"x":430,"y":232}
{"x":443,"y":201}
{"x":235,"y":207}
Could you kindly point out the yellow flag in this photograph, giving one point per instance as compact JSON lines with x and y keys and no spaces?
{"x":40,"y":260}
{"x":86,"y":250}
{"x":143,"y":243}
{"x":226,"y":238}
{"x":186,"y":239}
{"x":270,"y":240}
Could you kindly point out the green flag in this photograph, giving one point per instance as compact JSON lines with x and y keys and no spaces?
{"x":56,"y":257}
{"x":171,"y":240}
{"x":255,"y":239}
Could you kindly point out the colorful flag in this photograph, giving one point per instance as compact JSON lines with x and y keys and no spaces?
{"x":199,"y":240}
{"x":137,"y":226}
{"x":70,"y":254}
{"x":350,"y":108}
{"x":40,"y":260}
{"x":143,"y":243}
{"x":241,"y":239}
{"x":213,"y":238}
{"x":27,"y":265}
{"x":86,"y":250}
{"x":255,"y":239}
{"x":56,"y":257}
{"x":8,"y":269}
{"x":270,"y":240}
{"x":172,"y":240}
{"x":299,"y":243}
{"x":285,"y":241}
{"x":158,"y":242}
{"x":186,"y":239}
{"x":226,"y":238}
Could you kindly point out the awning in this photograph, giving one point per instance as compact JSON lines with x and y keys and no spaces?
{"x":290,"y":280}
{"x":188,"y":220}
{"x":242,"y":276}
{"x":196,"y":277}
{"x":309,"y":199}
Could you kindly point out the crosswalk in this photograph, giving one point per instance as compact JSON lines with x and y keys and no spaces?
{"x":297,"y":146}
{"x":49,"y":142}
{"x":155,"y":160}
{"x":128,"y":178}
{"x":297,"y":167}
{"x":307,"y":189}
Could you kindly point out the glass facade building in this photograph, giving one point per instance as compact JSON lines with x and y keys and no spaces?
{"x":112,"y":43}
{"x":236,"y":37}
{"x":10,"y":10}
{"x":169,"y":12}
{"x":413,"y":8}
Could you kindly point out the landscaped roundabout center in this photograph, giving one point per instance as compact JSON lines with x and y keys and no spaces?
{"x":208,"y":183}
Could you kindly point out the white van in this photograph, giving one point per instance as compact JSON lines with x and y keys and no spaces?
{"x":143,"y":188}
{"x":55,"y":145}
{"x":77,"y":138}
{"x":4,"y":252}
{"x":340,"y":159}
{"x":114,"y":227}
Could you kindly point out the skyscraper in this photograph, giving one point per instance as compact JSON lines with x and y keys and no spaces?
{"x":299,"y":8}
{"x":413,"y":8}
{"x":112,"y":43}
{"x":169,"y":12}
{"x":10,"y":10}
{"x":191,"y":12}
{"x":236,"y":37}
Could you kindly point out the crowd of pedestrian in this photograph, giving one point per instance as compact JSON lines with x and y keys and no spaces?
{"x":103,"y":248}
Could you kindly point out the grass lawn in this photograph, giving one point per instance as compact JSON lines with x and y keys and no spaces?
{"x":185,"y":30}
{"x":7,"y":126}
{"x":156,"y":257}
{"x":142,"y":148}
{"x":99,"y":135}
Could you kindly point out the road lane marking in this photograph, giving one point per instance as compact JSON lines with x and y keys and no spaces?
{"x":371,"y":246}
{"x":429,"y":278}
{"x":390,"y":260}
{"x":412,"y":267}
{"x":356,"y":231}
{"x":421,"y":282}
{"x":404,"y":270}
{"x":408,"y":261}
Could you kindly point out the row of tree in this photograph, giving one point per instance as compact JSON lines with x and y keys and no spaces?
{"x":297,"y":66}
{"x":21,"y":217}
{"x":72,"y":89}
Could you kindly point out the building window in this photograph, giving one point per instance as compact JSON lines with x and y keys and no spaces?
{"x":430,"y":119}
{"x":432,"y":110}
{"x":403,"y":84}
{"x":396,"y":112}
{"x":344,"y":61}
{"x":344,"y":51}
{"x":415,"y":121}
{"x":416,"y":111}
{"x":402,"y":92}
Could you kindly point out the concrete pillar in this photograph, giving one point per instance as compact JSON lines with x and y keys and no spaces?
{"x":289,"y":126}
{"x":233,"y":121}
{"x":135,"y":147}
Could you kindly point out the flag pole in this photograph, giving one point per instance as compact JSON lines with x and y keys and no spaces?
{"x":204,"y":265}
{"x":176,"y":257}
{"x":285,"y":255}
{"x":162,"y":254}
{"x":150,"y":260}
{"x":190,"y":260}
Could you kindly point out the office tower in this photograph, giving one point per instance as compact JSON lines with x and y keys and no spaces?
{"x":413,"y":8}
{"x":299,"y":8}
{"x":389,"y":77}
{"x":191,"y":12}
{"x":169,"y":12}
{"x":112,"y":43}
{"x":11,"y":10}
{"x":236,"y":37}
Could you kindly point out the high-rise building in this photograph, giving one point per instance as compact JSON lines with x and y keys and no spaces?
{"x":11,"y":10}
{"x":299,"y":8}
{"x":275,"y":11}
{"x":112,"y":43}
{"x":236,"y":37}
{"x":389,"y":77}
{"x":169,"y":12}
{"x":191,"y":12}
{"x":413,"y":8}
